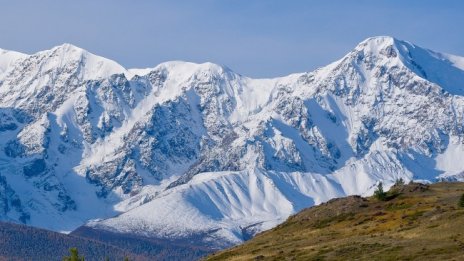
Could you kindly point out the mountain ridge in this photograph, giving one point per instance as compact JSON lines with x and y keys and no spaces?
{"x":133,"y":150}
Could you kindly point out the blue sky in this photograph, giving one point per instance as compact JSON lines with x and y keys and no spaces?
{"x":254,"y":38}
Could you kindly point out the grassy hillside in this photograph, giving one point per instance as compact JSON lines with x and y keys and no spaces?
{"x":416,"y":222}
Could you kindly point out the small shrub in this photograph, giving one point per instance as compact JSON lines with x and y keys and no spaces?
{"x":461,"y":201}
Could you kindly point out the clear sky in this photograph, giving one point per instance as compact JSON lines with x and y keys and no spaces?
{"x":255,"y":38}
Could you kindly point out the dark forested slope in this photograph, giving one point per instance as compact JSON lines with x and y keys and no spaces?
{"x":19,"y":242}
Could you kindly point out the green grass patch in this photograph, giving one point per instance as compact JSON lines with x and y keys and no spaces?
{"x":395,"y":207}
{"x":336,"y":219}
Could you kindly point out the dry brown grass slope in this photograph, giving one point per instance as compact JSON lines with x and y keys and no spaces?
{"x":416,"y":222}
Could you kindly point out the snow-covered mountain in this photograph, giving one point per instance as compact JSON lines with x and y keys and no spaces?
{"x":196,"y":151}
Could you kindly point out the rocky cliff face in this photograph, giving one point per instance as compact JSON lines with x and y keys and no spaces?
{"x":186,"y":150}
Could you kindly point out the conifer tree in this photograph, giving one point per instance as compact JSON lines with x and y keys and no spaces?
{"x":74,"y":255}
{"x":379,"y":193}
{"x":399,"y":182}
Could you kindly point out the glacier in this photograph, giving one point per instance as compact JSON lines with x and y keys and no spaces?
{"x":198,"y":152}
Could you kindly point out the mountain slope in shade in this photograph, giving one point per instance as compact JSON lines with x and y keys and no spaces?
{"x":187,"y":150}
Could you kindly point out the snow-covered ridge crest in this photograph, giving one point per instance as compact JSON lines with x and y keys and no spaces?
{"x":184,"y":141}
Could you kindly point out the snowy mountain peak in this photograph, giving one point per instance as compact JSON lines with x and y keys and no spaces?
{"x":381,"y":54}
{"x":190,"y":66}
{"x":187,"y":70}
{"x":67,"y":47}
{"x":380,"y":48}
{"x":7,"y":58}
{"x":4,"y":52}
{"x":376,"y":43}
{"x":95,"y":67}
{"x":388,"y":49}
